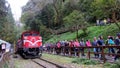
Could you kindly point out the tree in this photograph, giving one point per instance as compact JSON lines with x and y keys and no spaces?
{"x":114,"y":10}
{"x":7,"y":30}
{"x":85,"y":7}
{"x":106,"y":8}
{"x":57,"y":5}
{"x":76,"y":21}
{"x":47,"y":16}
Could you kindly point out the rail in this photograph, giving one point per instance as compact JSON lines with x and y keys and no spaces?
{"x":46,"y":61}
{"x":69,"y":51}
{"x":4,"y":58}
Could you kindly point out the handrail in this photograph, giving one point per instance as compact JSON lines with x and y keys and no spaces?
{"x":54,"y":49}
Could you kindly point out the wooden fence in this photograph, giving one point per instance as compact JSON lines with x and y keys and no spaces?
{"x":88,"y":50}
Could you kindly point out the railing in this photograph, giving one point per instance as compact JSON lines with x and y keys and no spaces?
{"x":69,"y":51}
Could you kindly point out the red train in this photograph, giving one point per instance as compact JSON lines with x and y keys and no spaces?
{"x":30,"y":44}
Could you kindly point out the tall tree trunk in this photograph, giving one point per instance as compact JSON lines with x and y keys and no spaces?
{"x":56,"y":11}
{"x":77,"y":28}
{"x":77,"y":34}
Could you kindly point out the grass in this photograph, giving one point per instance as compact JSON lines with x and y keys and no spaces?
{"x":5,"y":65}
{"x":57,"y":58}
{"x":93,"y":31}
{"x":114,"y":65}
{"x":81,"y":62}
{"x":66,"y":36}
{"x":85,"y":61}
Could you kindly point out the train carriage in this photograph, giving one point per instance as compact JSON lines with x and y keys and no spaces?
{"x":29,"y":46}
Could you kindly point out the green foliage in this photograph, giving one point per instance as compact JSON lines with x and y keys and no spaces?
{"x":72,"y":18}
{"x":66,"y":36}
{"x":85,"y":7}
{"x":93,"y":31}
{"x":47,"y":16}
{"x":76,"y":21}
{"x":7,"y":30}
{"x":105,"y":8}
{"x":98,"y":9}
{"x":26,"y":16}
{"x":71,"y":15}
{"x":102,"y":30}
{"x":114,"y":65}
{"x":67,"y":9}
{"x":85,"y":61}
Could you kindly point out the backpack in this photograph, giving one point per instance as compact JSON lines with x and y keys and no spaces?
{"x":110,"y":41}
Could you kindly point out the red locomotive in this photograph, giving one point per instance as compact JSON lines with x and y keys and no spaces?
{"x":30,"y":44}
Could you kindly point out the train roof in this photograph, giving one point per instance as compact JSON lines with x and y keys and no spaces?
{"x":30,"y":32}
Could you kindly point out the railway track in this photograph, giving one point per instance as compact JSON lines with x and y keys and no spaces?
{"x":46,"y":64}
{"x":4,"y":58}
{"x":1,"y":56}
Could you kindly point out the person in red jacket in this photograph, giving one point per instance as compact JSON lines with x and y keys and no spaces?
{"x":76,"y":45}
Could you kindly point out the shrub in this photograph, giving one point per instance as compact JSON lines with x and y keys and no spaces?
{"x":114,"y":65}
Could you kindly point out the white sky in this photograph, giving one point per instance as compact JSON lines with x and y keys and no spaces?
{"x":16,"y":6}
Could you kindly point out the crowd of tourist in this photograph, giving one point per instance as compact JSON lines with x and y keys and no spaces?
{"x":110,"y":41}
{"x":101,"y":22}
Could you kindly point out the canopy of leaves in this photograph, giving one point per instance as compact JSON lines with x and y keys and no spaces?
{"x":76,"y":18}
{"x":59,"y":15}
{"x":7,"y":30}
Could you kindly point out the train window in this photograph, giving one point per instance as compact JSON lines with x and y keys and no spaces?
{"x":35,"y":34}
{"x":27,"y":34}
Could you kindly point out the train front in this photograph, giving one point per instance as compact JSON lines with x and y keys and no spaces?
{"x":32,"y":43}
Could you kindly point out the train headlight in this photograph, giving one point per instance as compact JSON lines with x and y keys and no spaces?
{"x":40,"y":38}
{"x":25,"y":38}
